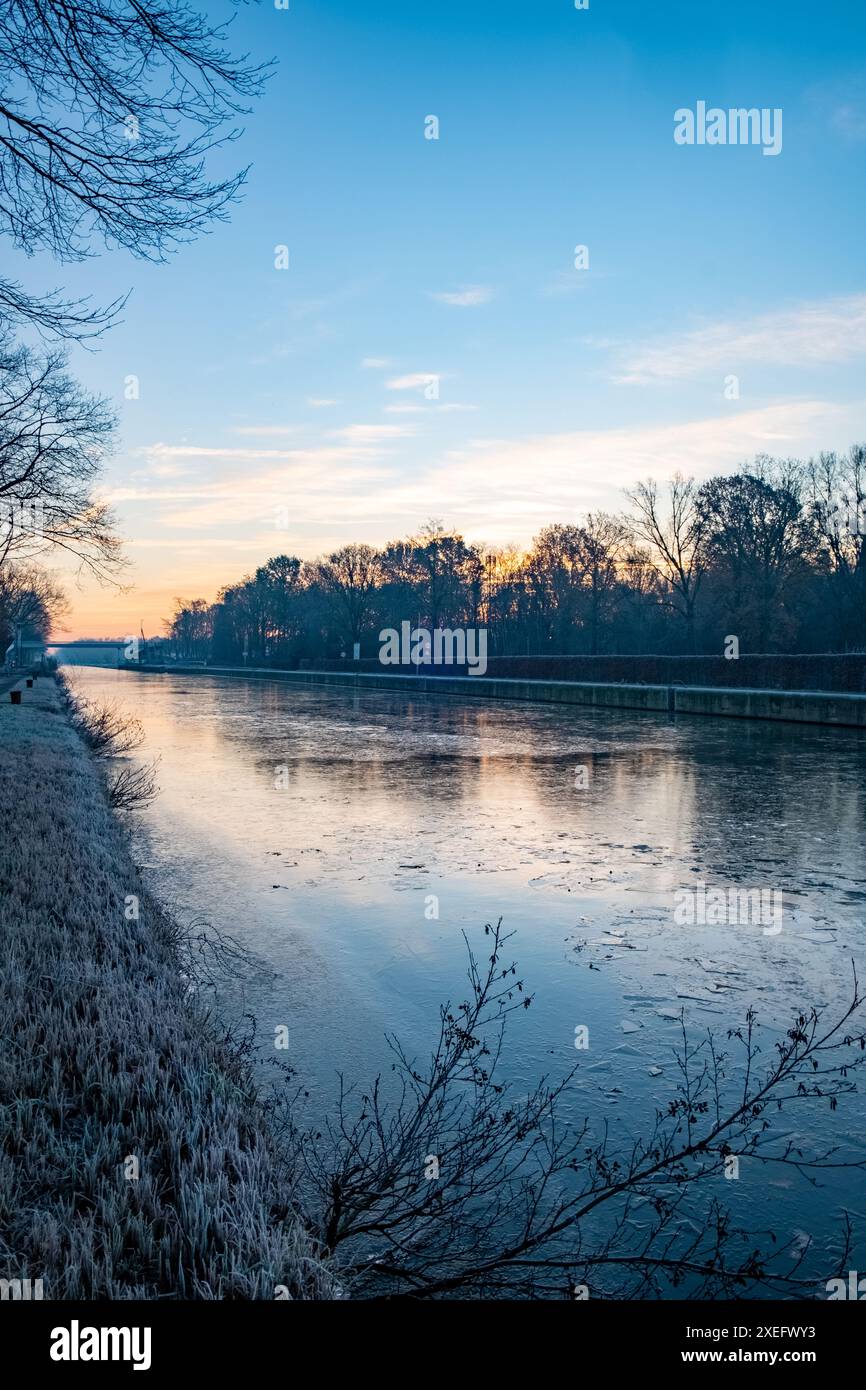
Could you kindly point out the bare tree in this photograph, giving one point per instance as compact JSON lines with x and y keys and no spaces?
{"x":350,"y":576}
{"x":190,"y":628}
{"x":755,"y":541}
{"x":674,"y":530}
{"x":108,"y":112}
{"x":54,"y":438}
{"x":448,"y":576}
{"x":835,"y":488}
{"x":447,"y":1183}
{"x":30,"y":598}
{"x":556,"y":574}
{"x":503,"y":591}
{"x":641,"y":606}
{"x":603,"y":543}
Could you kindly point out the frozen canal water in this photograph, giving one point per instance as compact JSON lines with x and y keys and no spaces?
{"x":326,"y":830}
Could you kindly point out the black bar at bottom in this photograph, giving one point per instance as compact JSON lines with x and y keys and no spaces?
{"x":69,"y":1339}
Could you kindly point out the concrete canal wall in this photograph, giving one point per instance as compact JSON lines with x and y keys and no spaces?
{"x":797,"y":706}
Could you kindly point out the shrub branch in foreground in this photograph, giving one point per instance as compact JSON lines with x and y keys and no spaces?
{"x":528,"y":1203}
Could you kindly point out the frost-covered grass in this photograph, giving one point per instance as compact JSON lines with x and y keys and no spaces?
{"x":107,"y":1069}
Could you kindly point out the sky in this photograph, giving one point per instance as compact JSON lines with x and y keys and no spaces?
{"x":432,"y":349}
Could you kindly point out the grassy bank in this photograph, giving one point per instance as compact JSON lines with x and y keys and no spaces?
{"x":135,"y":1162}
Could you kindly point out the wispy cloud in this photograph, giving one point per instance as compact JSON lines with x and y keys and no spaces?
{"x":503,"y":490}
{"x":566,"y":282}
{"x":320,"y":402}
{"x":163,"y":469}
{"x":265,"y":431}
{"x":493,"y":488}
{"x":467,"y":297}
{"x":205,"y":451}
{"x":249,"y":495}
{"x":841,"y":104}
{"x":829,"y":331}
{"x":412,"y":381}
{"x":850,"y":120}
{"x":371,"y":434}
{"x":371,"y":364}
{"x":449,"y":408}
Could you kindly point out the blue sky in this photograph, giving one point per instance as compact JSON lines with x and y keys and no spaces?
{"x":285,"y":410}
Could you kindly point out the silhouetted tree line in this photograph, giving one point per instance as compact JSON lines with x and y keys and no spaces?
{"x":773,"y":554}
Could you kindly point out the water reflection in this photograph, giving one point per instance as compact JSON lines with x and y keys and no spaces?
{"x":320,"y":827}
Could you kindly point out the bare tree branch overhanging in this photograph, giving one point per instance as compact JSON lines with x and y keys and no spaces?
{"x":53,"y":315}
{"x":54,"y":440}
{"x":109,"y":112}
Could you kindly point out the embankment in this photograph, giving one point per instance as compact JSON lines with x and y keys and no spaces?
{"x":797,"y":706}
{"x":837,"y":671}
{"x":135,"y":1160}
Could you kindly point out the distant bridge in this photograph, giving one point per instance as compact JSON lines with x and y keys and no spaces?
{"x":99,"y":651}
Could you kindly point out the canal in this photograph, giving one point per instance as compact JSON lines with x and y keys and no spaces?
{"x":349,"y":840}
